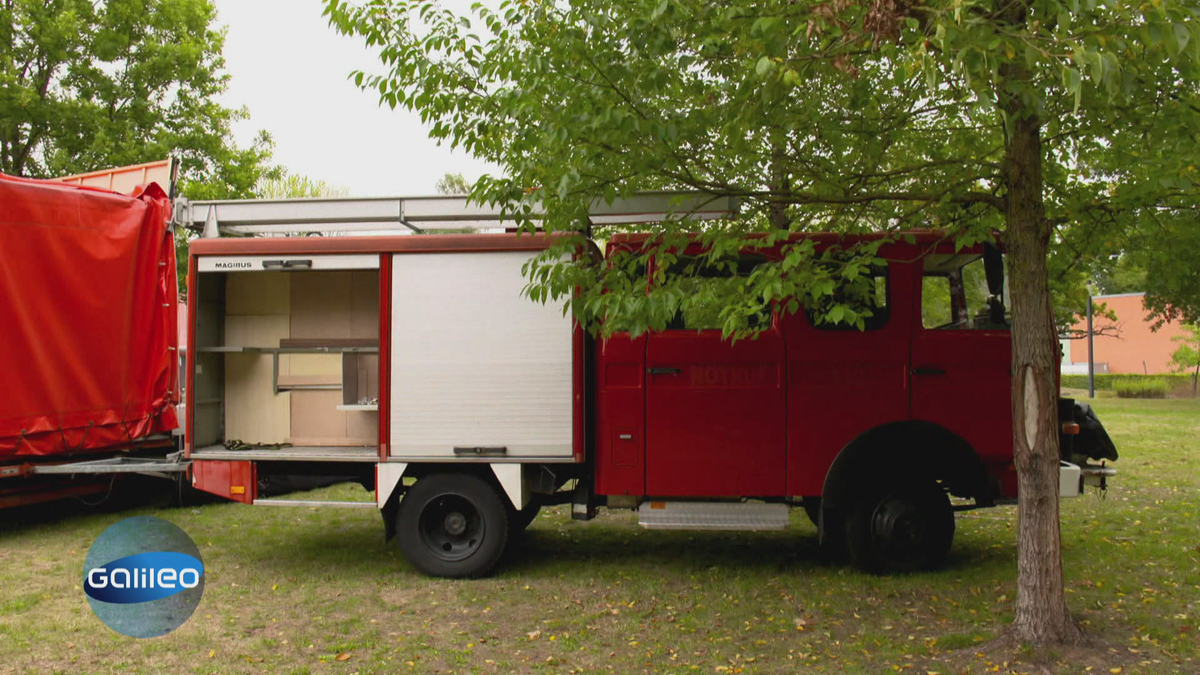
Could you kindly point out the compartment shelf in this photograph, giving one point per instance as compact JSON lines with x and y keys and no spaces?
{"x":230,"y":349}
{"x":312,"y":453}
{"x":371,"y":407}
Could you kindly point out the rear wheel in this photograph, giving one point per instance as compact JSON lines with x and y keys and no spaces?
{"x":901,"y":528}
{"x":452,"y":525}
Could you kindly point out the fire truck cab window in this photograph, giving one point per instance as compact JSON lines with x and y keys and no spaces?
{"x":955,"y":295}
{"x":628,"y":273}
{"x":869,"y":295}
{"x":700,"y":279}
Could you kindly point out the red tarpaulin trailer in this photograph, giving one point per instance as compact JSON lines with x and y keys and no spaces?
{"x":88,"y":359}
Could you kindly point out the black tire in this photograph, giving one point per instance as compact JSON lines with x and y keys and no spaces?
{"x":900,"y":528}
{"x":519,"y":521}
{"x":812,"y":507}
{"x":453,"y":525}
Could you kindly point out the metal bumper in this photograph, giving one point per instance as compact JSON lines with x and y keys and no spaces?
{"x":1073,"y":478}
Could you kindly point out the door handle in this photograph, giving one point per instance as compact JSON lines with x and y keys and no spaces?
{"x":663,"y":371}
{"x":928,"y":371}
{"x":286,"y":264}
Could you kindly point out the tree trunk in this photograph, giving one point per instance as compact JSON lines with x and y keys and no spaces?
{"x":780,"y":185}
{"x":1041,"y":614}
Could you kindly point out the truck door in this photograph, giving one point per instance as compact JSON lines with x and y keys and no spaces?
{"x":961,"y":356}
{"x":715,"y":409}
{"x":844,"y":381}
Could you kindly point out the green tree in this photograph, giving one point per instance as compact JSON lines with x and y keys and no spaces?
{"x":87,"y":85}
{"x":969,"y":115}
{"x":1121,"y":275}
{"x":1187,"y":357}
{"x":296,"y":186}
{"x":453,"y":184}
{"x":1167,"y":247}
{"x":1158,"y":254}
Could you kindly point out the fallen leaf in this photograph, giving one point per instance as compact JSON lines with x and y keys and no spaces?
{"x":343,"y":657}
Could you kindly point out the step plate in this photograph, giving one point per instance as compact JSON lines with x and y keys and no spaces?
{"x":740,"y":516}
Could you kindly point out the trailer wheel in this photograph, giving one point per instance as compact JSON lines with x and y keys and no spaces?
{"x":901,"y":528}
{"x":452,"y":525}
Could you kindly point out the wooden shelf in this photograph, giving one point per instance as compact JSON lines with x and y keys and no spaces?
{"x":309,"y":381}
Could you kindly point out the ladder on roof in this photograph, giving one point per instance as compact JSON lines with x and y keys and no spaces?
{"x":407,"y":215}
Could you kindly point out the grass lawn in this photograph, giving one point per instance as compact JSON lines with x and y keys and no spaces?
{"x":308,"y":591}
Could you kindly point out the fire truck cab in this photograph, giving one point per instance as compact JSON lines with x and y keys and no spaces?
{"x":417,"y":364}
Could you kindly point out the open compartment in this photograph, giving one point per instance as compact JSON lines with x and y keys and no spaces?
{"x":287,"y":362}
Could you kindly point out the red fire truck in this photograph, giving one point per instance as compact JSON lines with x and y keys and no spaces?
{"x":415,"y":363}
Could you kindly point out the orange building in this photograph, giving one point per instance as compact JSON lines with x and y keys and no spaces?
{"x":1130,"y":346}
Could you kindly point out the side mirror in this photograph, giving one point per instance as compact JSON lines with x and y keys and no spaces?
{"x":993,"y":267}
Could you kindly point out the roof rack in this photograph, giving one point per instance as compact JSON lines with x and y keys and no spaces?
{"x":389,"y":215}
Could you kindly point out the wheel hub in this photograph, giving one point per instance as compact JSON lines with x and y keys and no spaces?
{"x":897,"y":526}
{"x":451,"y":527}
{"x":455,"y":524}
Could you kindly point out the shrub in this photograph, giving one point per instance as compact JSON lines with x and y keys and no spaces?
{"x":1146,"y":387}
{"x":1106,"y":381}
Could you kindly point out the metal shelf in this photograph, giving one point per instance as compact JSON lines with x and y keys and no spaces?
{"x":276,"y":351}
{"x":288,"y":350}
{"x":323,"y":453}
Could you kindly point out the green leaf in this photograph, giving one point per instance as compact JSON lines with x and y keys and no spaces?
{"x":764,"y":66}
{"x":1075,"y":86}
{"x":763,"y":24}
{"x":836,"y":313}
{"x":1182,"y":36}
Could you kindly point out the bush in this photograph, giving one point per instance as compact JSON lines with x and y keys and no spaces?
{"x":1106,"y":381}
{"x":1146,"y":387}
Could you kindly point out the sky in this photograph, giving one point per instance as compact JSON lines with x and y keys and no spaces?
{"x":290,"y":69}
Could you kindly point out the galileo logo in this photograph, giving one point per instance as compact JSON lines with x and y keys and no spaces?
{"x":143,"y":577}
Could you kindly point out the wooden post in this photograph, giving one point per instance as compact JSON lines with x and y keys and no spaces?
{"x":1091,"y":352}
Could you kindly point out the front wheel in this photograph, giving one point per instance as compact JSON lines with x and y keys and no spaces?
{"x":452,"y":525}
{"x":902,"y":528}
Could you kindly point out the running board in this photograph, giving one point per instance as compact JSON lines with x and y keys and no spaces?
{"x":151,"y":466}
{"x":744,"y":516}
{"x":313,"y":504}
